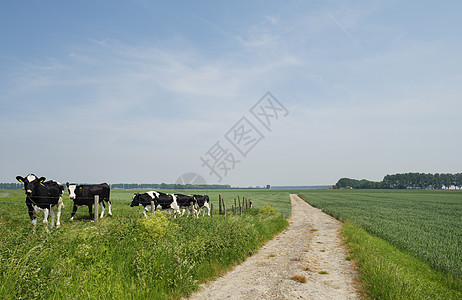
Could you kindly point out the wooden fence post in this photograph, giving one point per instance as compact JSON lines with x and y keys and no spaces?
{"x":219,"y":204}
{"x":211,"y":210}
{"x":152,"y":206}
{"x":96,"y":209}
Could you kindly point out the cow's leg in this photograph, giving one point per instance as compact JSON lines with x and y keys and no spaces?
{"x":74,"y":210}
{"x":110,"y":205}
{"x":45,"y":214}
{"x":58,"y":214}
{"x":32,"y":215}
{"x":52,"y":213}
{"x":206,"y":205}
{"x":144,"y":211}
{"x":103,"y":206}
{"x":90,"y":208}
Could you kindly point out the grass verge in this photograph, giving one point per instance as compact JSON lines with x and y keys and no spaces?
{"x":129,"y":256}
{"x":390,"y":273}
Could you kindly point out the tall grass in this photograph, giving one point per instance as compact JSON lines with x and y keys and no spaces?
{"x":390,"y":273}
{"x":127,"y":256}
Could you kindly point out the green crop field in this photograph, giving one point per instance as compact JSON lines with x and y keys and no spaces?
{"x":128,"y":256}
{"x":425,"y":224}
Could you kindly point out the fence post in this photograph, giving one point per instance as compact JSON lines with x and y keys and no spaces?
{"x":219,"y":204}
{"x":96,"y":209}
{"x":152,"y":206}
{"x":211,"y":210}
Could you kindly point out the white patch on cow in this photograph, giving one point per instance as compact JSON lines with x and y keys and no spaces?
{"x":31,"y":177}
{"x":153,"y":194}
{"x":60,"y":206}
{"x":175,"y":206}
{"x":102,"y":209}
{"x":206,"y":204}
{"x":146,"y":209}
{"x":110,"y":212}
{"x":72,"y":188}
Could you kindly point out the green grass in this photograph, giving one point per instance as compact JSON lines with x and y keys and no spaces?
{"x":390,"y":273}
{"x":407,"y":243}
{"x":127,"y":256}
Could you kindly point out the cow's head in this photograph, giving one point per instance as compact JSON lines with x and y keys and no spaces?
{"x":71,"y":188}
{"x":136,"y":200}
{"x":31,"y":182}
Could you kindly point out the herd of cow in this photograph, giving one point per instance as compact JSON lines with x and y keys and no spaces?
{"x":45,"y":196}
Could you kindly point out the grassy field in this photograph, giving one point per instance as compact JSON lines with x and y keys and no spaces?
{"x":408,"y":243}
{"x":127,"y":256}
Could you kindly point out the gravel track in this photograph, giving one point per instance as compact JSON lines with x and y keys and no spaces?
{"x":310,"y":248}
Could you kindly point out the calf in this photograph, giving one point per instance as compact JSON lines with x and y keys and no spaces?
{"x":147,"y":200}
{"x":160,"y":200}
{"x":184,"y":202}
{"x":202,"y":203}
{"x":84,"y":195}
{"x":43,"y":196}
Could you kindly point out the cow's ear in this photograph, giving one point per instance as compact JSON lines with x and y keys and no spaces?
{"x":20,"y":178}
{"x":42,"y":179}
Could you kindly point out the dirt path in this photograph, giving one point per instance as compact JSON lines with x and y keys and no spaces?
{"x":310,"y":248}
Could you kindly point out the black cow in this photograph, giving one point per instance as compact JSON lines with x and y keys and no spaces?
{"x":43,"y":196}
{"x":84,"y":195}
{"x":202,"y":202}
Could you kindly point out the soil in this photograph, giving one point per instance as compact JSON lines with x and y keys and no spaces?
{"x":309,"y":250}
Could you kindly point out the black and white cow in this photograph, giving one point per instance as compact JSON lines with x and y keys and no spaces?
{"x":84,"y":195}
{"x":172,"y":202}
{"x":203,"y":203}
{"x":147,"y":200}
{"x":43,"y":196}
{"x":184,"y":202}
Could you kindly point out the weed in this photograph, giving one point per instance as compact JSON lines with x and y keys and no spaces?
{"x":299,"y":278}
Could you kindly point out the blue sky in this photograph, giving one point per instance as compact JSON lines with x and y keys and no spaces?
{"x":140,"y":91}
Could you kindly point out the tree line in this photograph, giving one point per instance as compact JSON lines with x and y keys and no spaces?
{"x":405,"y":181}
{"x":11,"y":186}
{"x":171,"y":186}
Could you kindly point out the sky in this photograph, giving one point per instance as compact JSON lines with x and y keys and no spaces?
{"x":246,"y":93}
